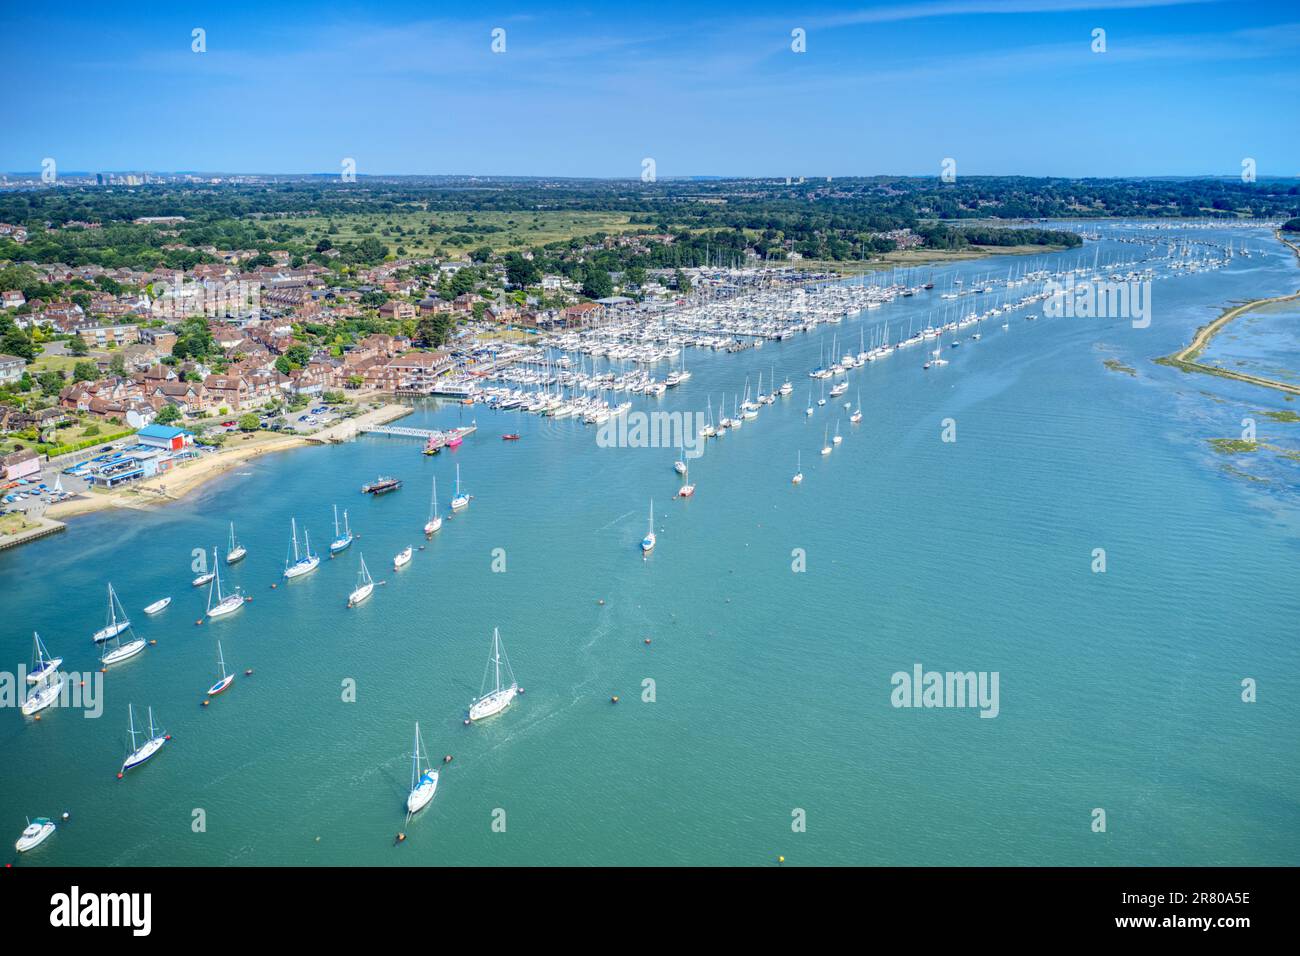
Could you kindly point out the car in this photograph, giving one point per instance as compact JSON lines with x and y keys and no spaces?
{"x":228,"y":424}
{"x":302,"y":418}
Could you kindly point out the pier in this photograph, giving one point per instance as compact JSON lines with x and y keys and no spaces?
{"x":401,"y":431}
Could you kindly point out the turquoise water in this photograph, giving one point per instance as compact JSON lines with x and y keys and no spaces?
{"x":1118,"y":690}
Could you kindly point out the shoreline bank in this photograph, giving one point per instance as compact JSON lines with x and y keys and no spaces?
{"x":1185,"y":358}
{"x":176,"y":484}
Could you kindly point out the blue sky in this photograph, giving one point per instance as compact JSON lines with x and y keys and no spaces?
{"x":1001,"y":86}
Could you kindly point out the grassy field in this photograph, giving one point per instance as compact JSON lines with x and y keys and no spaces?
{"x":507,"y":230}
{"x":909,"y":258}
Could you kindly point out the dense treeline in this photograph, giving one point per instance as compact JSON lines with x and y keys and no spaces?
{"x":718,"y":219}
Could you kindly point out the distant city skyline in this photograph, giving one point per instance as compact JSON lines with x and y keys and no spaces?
{"x":1002,"y":87}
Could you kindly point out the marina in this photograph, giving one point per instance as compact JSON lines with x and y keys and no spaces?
{"x":1039,"y":418}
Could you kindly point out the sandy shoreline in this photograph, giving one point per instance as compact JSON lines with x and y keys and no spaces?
{"x":1185,"y":358}
{"x":184,"y":479}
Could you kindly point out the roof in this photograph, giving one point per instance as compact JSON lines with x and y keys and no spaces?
{"x":159,"y":431}
{"x":11,"y":358}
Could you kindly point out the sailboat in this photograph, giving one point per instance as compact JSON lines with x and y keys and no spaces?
{"x":424,"y":782}
{"x":152,"y":744}
{"x":236,"y":551}
{"x":46,"y":678}
{"x":826,"y":445}
{"x":36,"y":833}
{"x":798,"y":469}
{"x":837,"y":439}
{"x":648,"y":542}
{"x":114,"y":650}
{"x":857,"y":414}
{"x":301,"y":563}
{"x":687,"y":489}
{"x":225,"y":680}
{"x":402,"y":558}
{"x":222,"y":606}
{"x":461,"y":500}
{"x":500,"y":697}
{"x":810,"y":404}
{"x":365,"y":585}
{"x":342,"y":540}
{"x":434,"y":522}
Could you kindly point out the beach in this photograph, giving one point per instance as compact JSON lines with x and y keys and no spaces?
{"x":185,"y":478}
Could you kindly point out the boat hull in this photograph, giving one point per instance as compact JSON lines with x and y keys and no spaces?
{"x":420,"y":797}
{"x":402,"y":559}
{"x":237,"y":555}
{"x":34,"y":836}
{"x":493,"y":703}
{"x":157,"y":606}
{"x":360,"y":594}
{"x":109,"y":632}
{"x":150,"y":748}
{"x":302,"y":567}
{"x":43,"y":698}
{"x":123,"y":653}
{"x":433,"y":526}
{"x":229,"y":606}
{"x":221,"y":686}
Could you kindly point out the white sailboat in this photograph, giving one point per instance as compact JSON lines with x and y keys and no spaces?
{"x":342,"y":539}
{"x":501,"y":696}
{"x":115,"y":625}
{"x":810,"y":404}
{"x":648,"y":542}
{"x":837,"y":439}
{"x":236,"y":551}
{"x":36,"y":833}
{"x":302,"y":563}
{"x":826,"y":445}
{"x":45,"y":677}
{"x":461,"y":500}
{"x":402,"y":558}
{"x":365,"y":585}
{"x":224,"y":680}
{"x":435,"y":521}
{"x":151,"y":746}
{"x":114,"y":650}
{"x":219,"y":606}
{"x":424,"y":779}
{"x":857,"y":414}
{"x":798,"y":469}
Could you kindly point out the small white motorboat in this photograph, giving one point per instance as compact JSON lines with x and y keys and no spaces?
{"x":203,"y":579}
{"x":37,"y":832}
{"x":403,"y":558}
{"x":157,"y":606}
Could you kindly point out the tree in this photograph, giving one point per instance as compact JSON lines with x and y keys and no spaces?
{"x":681,"y":281}
{"x":85,"y":372}
{"x":78,"y":346}
{"x":248,"y":423}
{"x":167,"y":414}
{"x":596,"y":283}
{"x":521,"y":271}
{"x":432,"y":330}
